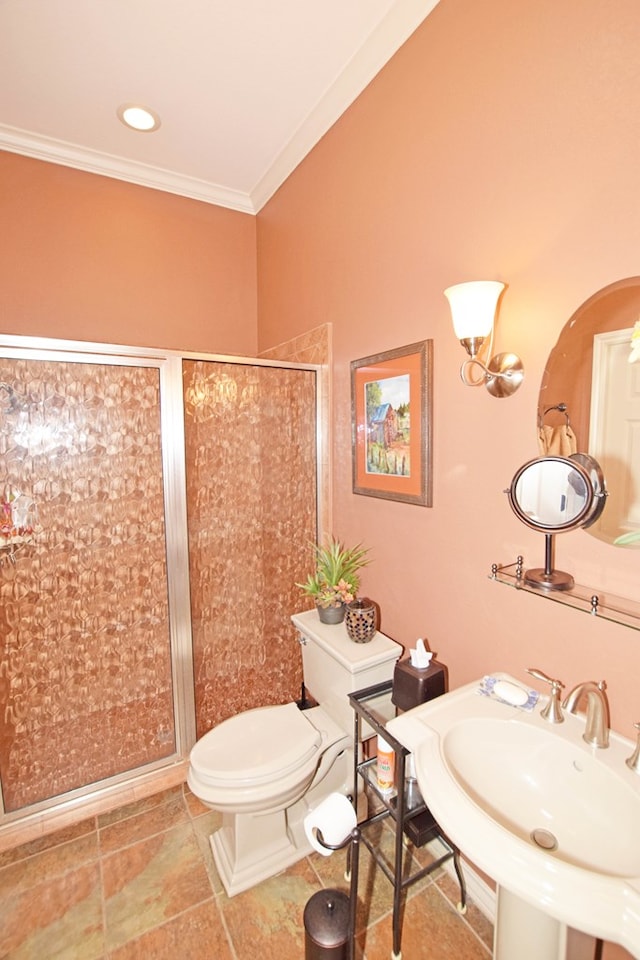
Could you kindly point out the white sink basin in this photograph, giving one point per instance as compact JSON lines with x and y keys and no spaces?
{"x":550,"y":818}
{"x":545,"y":790}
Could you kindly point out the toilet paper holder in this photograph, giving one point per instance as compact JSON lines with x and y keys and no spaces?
{"x":329,"y":915}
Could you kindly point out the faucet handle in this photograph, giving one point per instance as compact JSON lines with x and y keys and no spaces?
{"x":552,"y":713}
{"x":539,"y":675}
{"x":633,"y":762}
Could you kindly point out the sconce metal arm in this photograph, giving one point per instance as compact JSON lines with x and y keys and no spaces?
{"x":501,"y":376}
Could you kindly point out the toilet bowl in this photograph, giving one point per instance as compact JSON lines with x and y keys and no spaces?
{"x":262,"y":760}
{"x":266,"y":768}
{"x":263,"y":769}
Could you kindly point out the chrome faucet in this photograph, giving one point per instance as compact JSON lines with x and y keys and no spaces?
{"x":552,"y":713}
{"x":633,"y":762}
{"x":597,"y":723}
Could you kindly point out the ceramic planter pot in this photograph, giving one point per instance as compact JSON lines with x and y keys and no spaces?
{"x":331,"y":614}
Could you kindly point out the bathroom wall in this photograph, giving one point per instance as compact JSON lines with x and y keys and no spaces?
{"x":501,"y":142}
{"x":90,"y":258}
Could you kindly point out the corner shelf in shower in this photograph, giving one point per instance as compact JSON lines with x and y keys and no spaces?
{"x":597,"y":603}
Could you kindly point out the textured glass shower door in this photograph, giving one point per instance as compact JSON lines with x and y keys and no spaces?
{"x":176,"y":505}
{"x":251,"y":465}
{"x":86,"y":683}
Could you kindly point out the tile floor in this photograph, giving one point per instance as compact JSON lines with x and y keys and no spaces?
{"x":140,"y":883}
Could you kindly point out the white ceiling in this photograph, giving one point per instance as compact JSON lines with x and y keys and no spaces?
{"x":244,"y":88}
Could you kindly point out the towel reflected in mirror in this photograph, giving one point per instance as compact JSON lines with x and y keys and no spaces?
{"x":557,"y":441}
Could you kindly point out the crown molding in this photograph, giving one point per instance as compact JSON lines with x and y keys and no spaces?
{"x":106,"y":165}
{"x":403,"y":19}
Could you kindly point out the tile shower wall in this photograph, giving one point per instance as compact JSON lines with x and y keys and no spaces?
{"x":315,"y":346}
{"x":85,"y":668}
{"x":251,"y":502}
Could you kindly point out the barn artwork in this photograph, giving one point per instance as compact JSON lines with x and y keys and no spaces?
{"x":391,"y":416}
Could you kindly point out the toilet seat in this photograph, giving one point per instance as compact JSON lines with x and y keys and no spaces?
{"x":256,"y":746}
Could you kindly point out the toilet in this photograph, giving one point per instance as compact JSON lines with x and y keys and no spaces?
{"x":266,"y":768}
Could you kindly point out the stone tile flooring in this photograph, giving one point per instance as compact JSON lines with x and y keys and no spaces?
{"x":140,"y":883}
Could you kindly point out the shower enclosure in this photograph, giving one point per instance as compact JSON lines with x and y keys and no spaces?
{"x":175,"y":503}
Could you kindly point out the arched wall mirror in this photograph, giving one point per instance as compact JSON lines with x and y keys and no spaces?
{"x":554,"y":495}
{"x":588,"y":371}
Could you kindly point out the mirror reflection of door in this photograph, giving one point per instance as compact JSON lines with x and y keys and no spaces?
{"x":567,"y":378}
{"x":550,"y":493}
{"x":614,"y":430}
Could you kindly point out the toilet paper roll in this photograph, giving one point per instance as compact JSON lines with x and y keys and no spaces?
{"x":335,"y":818}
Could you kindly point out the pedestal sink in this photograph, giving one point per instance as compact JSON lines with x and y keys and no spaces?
{"x":554,"y":821}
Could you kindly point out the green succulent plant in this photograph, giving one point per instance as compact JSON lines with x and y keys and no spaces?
{"x":335,"y":579}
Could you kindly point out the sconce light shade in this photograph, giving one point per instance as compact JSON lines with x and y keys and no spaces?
{"x":473,"y":308}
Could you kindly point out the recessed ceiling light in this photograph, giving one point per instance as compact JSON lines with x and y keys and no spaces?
{"x":138,"y":118}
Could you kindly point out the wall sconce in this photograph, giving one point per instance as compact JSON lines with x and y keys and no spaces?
{"x":473,"y":308}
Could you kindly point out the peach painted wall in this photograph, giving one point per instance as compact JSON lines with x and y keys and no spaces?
{"x":501,"y":142}
{"x":85,"y":257}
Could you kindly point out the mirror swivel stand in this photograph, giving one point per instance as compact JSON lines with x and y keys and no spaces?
{"x":546,"y":577}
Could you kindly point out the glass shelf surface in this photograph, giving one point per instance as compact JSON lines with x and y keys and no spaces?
{"x":379,"y":707}
{"x":597,"y":603}
{"x":413,"y":802}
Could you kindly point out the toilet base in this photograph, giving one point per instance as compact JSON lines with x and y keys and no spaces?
{"x":249,"y":848}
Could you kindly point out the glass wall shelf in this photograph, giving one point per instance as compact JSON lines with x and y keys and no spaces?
{"x":596,"y":603}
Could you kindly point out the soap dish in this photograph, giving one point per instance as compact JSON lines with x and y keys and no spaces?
{"x":508,"y":692}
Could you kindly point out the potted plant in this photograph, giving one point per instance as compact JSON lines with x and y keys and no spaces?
{"x":626,"y":538}
{"x":335,"y":581}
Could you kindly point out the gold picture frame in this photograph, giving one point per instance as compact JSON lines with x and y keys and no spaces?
{"x":392,"y":422}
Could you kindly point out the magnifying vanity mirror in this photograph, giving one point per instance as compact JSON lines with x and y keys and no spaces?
{"x":554,"y":495}
{"x":589,"y":382}
{"x":589,"y":401}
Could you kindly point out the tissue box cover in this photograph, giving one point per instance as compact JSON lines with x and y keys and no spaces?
{"x":412,"y":686}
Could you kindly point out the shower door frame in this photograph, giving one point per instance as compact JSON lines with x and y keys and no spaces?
{"x":79,"y":802}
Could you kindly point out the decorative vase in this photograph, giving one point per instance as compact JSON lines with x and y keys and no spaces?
{"x":331,"y":614}
{"x":360,"y":620}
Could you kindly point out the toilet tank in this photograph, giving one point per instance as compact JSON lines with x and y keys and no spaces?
{"x":334,"y":666}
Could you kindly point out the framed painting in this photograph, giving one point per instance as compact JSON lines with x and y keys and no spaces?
{"x":391,"y":415}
